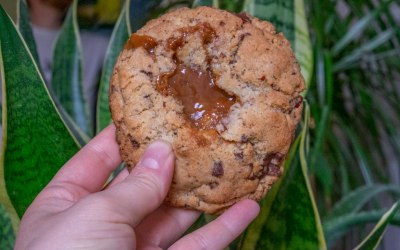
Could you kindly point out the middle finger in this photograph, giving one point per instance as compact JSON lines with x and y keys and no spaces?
{"x":165,"y":226}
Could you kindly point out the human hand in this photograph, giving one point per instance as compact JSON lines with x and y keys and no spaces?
{"x":74,"y":212}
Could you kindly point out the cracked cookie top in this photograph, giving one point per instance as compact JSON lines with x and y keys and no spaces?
{"x":223,"y":89}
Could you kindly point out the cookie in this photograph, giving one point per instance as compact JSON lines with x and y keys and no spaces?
{"x":223,"y":89}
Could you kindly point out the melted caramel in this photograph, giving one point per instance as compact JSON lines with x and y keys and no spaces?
{"x":207,"y":34}
{"x":204,"y":103}
{"x":136,"y":41}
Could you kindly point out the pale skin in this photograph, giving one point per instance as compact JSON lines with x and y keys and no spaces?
{"x":74,"y":211}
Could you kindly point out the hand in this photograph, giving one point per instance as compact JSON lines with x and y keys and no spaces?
{"x":74,"y":212}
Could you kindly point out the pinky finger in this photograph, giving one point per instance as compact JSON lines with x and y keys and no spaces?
{"x":223,"y":230}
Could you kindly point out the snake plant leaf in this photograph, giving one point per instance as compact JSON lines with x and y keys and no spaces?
{"x":7,"y":235}
{"x":289,"y":18}
{"x":355,"y":200}
{"x":67,"y":84}
{"x":143,"y":10}
{"x":302,"y":43}
{"x":24,"y":27}
{"x":197,"y":3}
{"x":338,"y":227}
{"x":214,"y":3}
{"x":354,"y":32}
{"x":374,"y":238}
{"x":356,"y":55}
{"x":289,"y":218}
{"x":119,"y":36}
{"x":36,"y":141}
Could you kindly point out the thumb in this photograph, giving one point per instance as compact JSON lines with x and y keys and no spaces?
{"x":145,"y":187}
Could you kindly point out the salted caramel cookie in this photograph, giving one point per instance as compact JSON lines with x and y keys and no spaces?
{"x":223,"y":89}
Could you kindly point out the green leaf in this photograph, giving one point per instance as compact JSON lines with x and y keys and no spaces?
{"x":36,"y":141}
{"x":7,"y":235}
{"x":24,"y":27}
{"x":374,"y":238}
{"x":302,"y":44}
{"x":141,"y":11}
{"x":359,"y":27}
{"x":289,"y":218}
{"x":334,"y":229}
{"x":280,"y":13}
{"x":358,"y":53}
{"x":67,"y":84}
{"x":360,"y":154}
{"x":197,"y":3}
{"x":355,"y":200}
{"x":288,"y":17}
{"x":120,"y":35}
{"x":214,"y":3}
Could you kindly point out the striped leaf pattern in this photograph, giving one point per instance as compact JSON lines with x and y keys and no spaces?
{"x":36,"y":141}
{"x":67,"y":84}
{"x":120,"y":35}
{"x":289,"y":18}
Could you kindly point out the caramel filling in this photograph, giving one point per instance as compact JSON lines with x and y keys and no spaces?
{"x":136,"y":41}
{"x":205,"y":105}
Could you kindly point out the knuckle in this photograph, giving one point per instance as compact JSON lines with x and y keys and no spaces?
{"x":102,"y":155}
{"x":150,"y":185}
{"x":200,"y":241}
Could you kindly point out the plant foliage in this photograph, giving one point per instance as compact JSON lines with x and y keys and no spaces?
{"x":338,"y":168}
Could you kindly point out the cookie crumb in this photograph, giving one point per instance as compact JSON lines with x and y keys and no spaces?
{"x":213,"y":185}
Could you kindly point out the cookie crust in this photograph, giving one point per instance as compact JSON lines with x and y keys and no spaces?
{"x":243,"y":156}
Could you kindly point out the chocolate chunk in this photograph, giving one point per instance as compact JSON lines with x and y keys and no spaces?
{"x":147,"y":73}
{"x":135,"y":144}
{"x":296,"y":102}
{"x":239,"y":155}
{"x":271,"y":164}
{"x":218,"y":169}
{"x":273,"y":170}
{"x":245,"y":18}
{"x":243,"y":36}
{"x":114,"y":89}
{"x":244,"y":138}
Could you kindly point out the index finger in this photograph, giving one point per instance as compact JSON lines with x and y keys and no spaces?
{"x":92,"y":165}
{"x":223,"y":230}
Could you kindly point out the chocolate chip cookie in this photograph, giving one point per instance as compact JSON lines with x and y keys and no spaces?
{"x":223,"y":89}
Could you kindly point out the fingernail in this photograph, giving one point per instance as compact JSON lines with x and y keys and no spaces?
{"x":155,"y":155}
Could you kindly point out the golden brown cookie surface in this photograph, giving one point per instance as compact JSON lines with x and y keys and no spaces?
{"x":223,"y":89}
